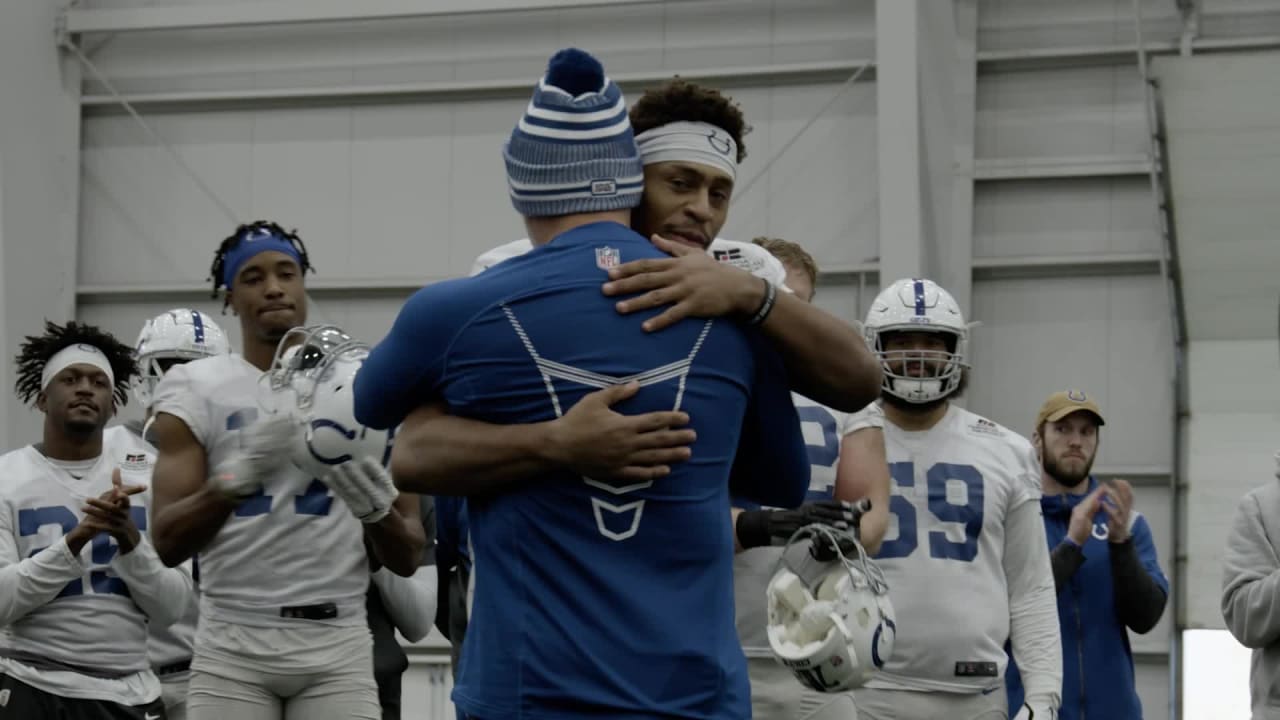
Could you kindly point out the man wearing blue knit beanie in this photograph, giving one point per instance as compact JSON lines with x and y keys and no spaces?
{"x":594,"y":598}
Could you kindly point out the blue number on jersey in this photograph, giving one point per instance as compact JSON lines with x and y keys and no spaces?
{"x":103,"y":546}
{"x":826,"y":454}
{"x":904,"y":475}
{"x":315,"y":500}
{"x":970,"y":513}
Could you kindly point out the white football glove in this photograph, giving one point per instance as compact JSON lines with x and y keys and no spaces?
{"x":1028,"y":713}
{"x":261,"y":453}
{"x":365,"y":486}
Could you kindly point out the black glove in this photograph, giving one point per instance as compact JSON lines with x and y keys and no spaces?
{"x":821,"y":547}
{"x":757,"y":528}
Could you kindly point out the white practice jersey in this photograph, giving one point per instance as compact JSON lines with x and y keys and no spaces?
{"x":292,"y":544}
{"x":170,"y":644}
{"x":823,"y":429}
{"x":943,"y":555}
{"x":747,"y":256}
{"x":93,"y":622}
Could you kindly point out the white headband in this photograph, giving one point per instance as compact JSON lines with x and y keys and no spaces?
{"x":695,"y":142}
{"x":76,"y":355}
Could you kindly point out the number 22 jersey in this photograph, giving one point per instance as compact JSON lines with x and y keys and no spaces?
{"x":953,"y":485}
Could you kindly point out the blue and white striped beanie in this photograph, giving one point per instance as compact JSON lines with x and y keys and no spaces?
{"x":573,"y":150}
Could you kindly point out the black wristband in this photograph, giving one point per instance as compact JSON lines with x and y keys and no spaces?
{"x":752,"y":528}
{"x":766,"y":306}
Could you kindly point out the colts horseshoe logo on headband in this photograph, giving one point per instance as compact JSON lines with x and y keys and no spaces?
{"x":719,"y":144}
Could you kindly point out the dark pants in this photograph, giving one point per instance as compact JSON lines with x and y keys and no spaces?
{"x":21,"y":701}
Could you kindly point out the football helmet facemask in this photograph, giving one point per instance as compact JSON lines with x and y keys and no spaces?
{"x":918,"y":306}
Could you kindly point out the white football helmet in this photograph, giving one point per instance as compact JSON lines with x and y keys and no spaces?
{"x":831,"y":623}
{"x":917,"y":305}
{"x":171,"y":338}
{"x":311,"y":378}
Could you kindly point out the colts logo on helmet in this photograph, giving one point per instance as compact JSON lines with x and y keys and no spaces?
{"x":347,"y":434}
{"x":875,"y":641}
{"x":324,"y":423}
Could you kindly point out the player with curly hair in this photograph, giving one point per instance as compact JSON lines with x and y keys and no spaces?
{"x":79,"y":581}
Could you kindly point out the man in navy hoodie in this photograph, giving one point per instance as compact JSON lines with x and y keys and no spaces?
{"x":1104,"y":566}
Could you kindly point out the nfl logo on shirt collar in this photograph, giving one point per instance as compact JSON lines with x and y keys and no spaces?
{"x":607,"y":257}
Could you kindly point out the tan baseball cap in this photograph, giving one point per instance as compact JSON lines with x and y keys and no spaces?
{"x":1062,"y":404}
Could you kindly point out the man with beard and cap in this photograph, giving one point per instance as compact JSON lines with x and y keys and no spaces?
{"x":965,"y":558}
{"x":80,"y":583}
{"x":593,"y":598}
{"x":284,"y":561}
{"x":1104,"y":565}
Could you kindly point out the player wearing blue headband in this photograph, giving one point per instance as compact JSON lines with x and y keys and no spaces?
{"x":265,"y":264}
{"x":283,"y":564}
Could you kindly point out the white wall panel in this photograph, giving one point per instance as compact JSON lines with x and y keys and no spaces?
{"x":1152,"y":679}
{"x":1005,"y":24}
{"x":425,"y":688}
{"x":415,"y":192}
{"x":1065,"y":112}
{"x":142,"y":220}
{"x":1156,"y":505}
{"x":845,"y":299}
{"x":1064,"y":217}
{"x":1224,"y":171}
{"x":822,"y":191}
{"x":401,"y":191}
{"x":1106,"y":335}
{"x":1231,"y":439}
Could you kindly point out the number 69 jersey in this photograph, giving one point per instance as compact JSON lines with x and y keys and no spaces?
{"x":943,"y":555}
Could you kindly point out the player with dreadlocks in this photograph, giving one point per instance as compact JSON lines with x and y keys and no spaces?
{"x":283,"y":568}
{"x":79,"y":582}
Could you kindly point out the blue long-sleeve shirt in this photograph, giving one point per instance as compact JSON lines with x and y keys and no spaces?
{"x":1095,"y":607}
{"x":594,"y":599}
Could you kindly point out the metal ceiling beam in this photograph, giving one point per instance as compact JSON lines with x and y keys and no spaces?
{"x":1003,"y":169}
{"x":456,"y":90}
{"x":296,"y":12}
{"x":988,"y":61}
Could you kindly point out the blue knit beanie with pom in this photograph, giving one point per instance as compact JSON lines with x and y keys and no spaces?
{"x":573,"y":150}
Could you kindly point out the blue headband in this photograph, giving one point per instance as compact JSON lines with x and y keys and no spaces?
{"x":258,"y":241}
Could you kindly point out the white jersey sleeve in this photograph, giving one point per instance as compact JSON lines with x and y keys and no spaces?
{"x":871,"y":416}
{"x":752,"y":258}
{"x":172,"y":644}
{"x":411,"y":601}
{"x":176,"y":396}
{"x":503,"y":252}
{"x":1033,"y":609}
